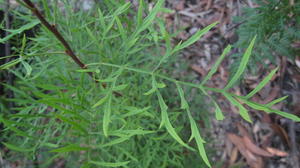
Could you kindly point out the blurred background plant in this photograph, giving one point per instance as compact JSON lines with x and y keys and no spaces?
{"x":276,"y":24}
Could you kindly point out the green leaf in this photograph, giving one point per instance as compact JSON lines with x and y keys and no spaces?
{"x":166,"y":37}
{"x":149,"y":19}
{"x":16,"y":148}
{"x":242,"y":65}
{"x":218,"y":112}
{"x":115,"y":141}
{"x":90,"y":33}
{"x":261,"y":84}
{"x":10,"y":64}
{"x":129,"y":133}
{"x":101,"y":18}
{"x":136,"y":112}
{"x":10,"y":125}
{"x":160,"y":85}
{"x":23,"y":45}
{"x":286,"y":115}
{"x":270,"y":104}
{"x":166,"y":122}
{"x":194,"y":38}
{"x":152,"y":90}
{"x":109,"y":26}
{"x":46,"y":9}
{"x":64,"y":110}
{"x":120,"y":87}
{"x":242,"y":109}
{"x":76,"y":125}
{"x":121,"y":29}
{"x":154,"y":87}
{"x":70,"y":148}
{"x":198,"y":138}
{"x":140,"y":13}
{"x":122,"y":9}
{"x":27,"y":67}
{"x":20,"y":30}
{"x":85,"y":165}
{"x":214,"y":69}
{"x":269,"y":110}
{"x":106,"y":117}
{"x":88,"y":70}
{"x":109,"y":164}
{"x":100,"y":102}
{"x":184,"y":104}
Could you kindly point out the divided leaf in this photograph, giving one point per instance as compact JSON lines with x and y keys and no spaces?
{"x":267,"y":109}
{"x":218,"y":111}
{"x":166,"y":122}
{"x":198,"y":138}
{"x":242,"y":109}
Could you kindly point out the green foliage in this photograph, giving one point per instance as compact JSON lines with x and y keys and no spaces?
{"x":62,"y":113}
{"x":276,"y":25}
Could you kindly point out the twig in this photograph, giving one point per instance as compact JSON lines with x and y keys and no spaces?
{"x":294,"y":151}
{"x":53,"y":29}
{"x":9,"y":75}
{"x":7,"y":26}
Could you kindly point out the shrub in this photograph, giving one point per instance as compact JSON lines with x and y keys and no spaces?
{"x":130,"y":111}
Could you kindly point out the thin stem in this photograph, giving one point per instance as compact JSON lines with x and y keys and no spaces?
{"x":160,"y":76}
{"x":53,"y":29}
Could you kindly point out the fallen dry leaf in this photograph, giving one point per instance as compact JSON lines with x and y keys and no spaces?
{"x":208,"y":4}
{"x":180,"y":5}
{"x":272,"y":94}
{"x":282,"y":133}
{"x":198,"y":69}
{"x":233,"y":156}
{"x":254,"y":148}
{"x":297,"y":61}
{"x":276,"y":152}
{"x":253,"y":160}
{"x":243,"y":131}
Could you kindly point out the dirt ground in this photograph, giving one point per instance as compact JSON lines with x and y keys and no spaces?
{"x":271,"y":141}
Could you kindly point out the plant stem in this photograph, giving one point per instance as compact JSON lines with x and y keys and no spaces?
{"x":201,"y":87}
{"x":53,"y":29}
